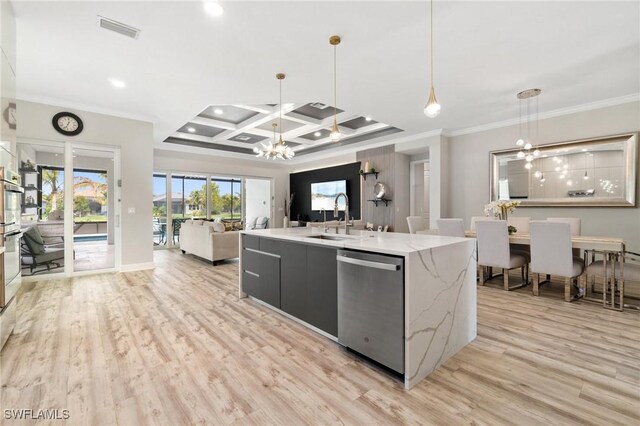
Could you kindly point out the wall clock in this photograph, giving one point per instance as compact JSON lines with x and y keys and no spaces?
{"x":67,"y":123}
{"x":10,"y":115}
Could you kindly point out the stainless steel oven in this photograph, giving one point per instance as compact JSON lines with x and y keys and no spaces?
{"x":10,"y":234}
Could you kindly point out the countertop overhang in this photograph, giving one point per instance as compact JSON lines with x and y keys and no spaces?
{"x":399,"y":244}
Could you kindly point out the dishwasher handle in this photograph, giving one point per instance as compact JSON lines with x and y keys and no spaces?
{"x":368,"y":263}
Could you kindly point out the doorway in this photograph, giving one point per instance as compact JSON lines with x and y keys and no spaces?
{"x":420,"y":193}
{"x":70,"y":208}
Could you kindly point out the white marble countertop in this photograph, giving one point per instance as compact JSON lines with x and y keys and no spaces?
{"x":399,"y":244}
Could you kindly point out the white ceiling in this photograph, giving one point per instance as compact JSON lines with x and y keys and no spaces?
{"x":186,"y":60}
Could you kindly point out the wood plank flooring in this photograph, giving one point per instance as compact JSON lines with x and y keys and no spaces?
{"x":175,"y":346}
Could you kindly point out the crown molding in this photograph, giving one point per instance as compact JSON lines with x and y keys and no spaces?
{"x":77,"y":107}
{"x":635,"y":97}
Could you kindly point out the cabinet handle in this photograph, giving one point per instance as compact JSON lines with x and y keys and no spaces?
{"x":253,"y":274}
{"x":262,"y":252}
{"x":368,"y":263}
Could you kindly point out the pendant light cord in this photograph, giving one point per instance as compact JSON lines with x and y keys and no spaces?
{"x":335,"y":84}
{"x":431,"y":39}
{"x":280,"y":112}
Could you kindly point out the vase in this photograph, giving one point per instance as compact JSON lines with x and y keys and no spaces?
{"x":367,"y":167}
{"x":285,"y":222}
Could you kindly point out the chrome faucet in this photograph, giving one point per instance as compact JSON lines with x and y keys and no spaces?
{"x":324,"y":220}
{"x":346,"y":212}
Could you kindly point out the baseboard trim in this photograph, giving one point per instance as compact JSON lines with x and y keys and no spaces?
{"x":137,"y":267}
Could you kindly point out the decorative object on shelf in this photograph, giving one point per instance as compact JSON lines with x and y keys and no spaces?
{"x":287,"y":209}
{"x":335,"y":131}
{"x":367,"y":167}
{"x":369,"y":226}
{"x":27,"y":166}
{"x":277,"y":148}
{"x":9,"y":115}
{"x":372,"y":171}
{"x":67,"y":123}
{"x":379,"y":190}
{"x":526,"y":142}
{"x":432,"y":109}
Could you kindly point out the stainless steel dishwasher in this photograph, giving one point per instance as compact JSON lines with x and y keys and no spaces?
{"x":371,"y":306}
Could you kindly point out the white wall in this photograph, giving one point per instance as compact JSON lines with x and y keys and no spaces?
{"x":469,"y":170}
{"x":225,"y":166}
{"x":258,"y":198}
{"x":135,"y":139}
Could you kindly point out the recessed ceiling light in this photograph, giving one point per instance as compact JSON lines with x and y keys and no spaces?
{"x":191,"y":129}
{"x":218,"y":111}
{"x":368,"y":118}
{"x":117,"y":83}
{"x":317,"y":134}
{"x":213,"y":8}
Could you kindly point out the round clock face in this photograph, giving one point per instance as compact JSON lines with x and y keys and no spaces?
{"x":67,"y":123}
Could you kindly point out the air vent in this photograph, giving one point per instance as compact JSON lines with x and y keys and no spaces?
{"x":318,"y":105}
{"x":118,"y":27}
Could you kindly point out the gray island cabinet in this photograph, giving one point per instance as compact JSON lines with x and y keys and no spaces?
{"x":297,"y":278}
{"x":295,"y":271}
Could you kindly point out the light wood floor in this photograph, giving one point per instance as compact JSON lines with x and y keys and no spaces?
{"x":176,"y":346}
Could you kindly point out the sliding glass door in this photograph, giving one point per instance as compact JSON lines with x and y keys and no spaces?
{"x":204,"y":196}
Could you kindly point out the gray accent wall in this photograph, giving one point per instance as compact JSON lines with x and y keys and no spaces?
{"x":469,"y":170}
{"x":394,"y":173}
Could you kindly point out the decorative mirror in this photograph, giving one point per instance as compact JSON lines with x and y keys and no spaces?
{"x":593,"y":172}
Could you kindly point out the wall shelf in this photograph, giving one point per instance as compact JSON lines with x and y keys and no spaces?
{"x":380,"y":200}
{"x":364,"y":175}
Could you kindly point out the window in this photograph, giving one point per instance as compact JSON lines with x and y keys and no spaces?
{"x":226,"y":198}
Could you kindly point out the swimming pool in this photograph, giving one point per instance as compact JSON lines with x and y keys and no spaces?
{"x":89,"y":238}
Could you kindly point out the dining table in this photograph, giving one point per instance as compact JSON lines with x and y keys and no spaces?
{"x":612,"y":251}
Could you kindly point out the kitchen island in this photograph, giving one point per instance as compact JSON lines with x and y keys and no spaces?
{"x":295,"y":271}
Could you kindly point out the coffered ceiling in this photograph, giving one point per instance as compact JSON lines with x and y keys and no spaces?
{"x":185,"y":63}
{"x":239,"y":128}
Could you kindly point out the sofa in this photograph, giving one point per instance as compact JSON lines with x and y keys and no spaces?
{"x":209,"y":240}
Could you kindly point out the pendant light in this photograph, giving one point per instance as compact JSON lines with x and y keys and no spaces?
{"x":277,"y":148}
{"x":432,"y":109}
{"x":335,"y":131}
{"x":527,"y":150}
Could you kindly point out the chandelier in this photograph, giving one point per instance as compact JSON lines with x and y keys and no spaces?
{"x":335,"y":134}
{"x":432,"y":108}
{"x":527,"y":151}
{"x":277,"y":148}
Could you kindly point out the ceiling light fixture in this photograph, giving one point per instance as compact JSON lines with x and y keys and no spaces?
{"x":368,"y":118}
{"x":277,"y":148}
{"x":213,"y":8}
{"x":317,"y":134}
{"x":117,"y":83}
{"x":335,"y":131}
{"x":432,"y":109}
{"x":191,"y":129}
{"x":526,"y":141}
{"x":218,"y":111}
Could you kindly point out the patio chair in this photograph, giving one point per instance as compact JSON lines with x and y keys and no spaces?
{"x":35,"y":253}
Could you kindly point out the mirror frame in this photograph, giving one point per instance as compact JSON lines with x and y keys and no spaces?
{"x":630,"y":174}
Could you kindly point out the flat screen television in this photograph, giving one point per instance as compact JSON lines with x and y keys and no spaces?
{"x":323,"y":195}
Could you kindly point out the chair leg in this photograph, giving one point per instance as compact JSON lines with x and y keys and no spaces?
{"x":481,"y":274}
{"x":505,"y":278}
{"x":536,"y":284}
{"x":567,"y":289}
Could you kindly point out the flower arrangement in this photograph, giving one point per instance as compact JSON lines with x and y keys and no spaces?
{"x":500,"y":208}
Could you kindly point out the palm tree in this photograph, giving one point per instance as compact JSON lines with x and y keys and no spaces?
{"x":51,"y":178}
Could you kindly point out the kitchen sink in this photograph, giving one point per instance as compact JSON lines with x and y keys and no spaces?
{"x":327,"y":237}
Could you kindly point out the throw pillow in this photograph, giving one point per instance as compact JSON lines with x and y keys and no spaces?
{"x":228,"y":226}
{"x":218,"y":227}
{"x":251,"y":223}
{"x":261,"y":223}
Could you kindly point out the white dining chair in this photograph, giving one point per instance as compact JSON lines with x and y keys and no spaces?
{"x":551,"y":254}
{"x":451,"y":227}
{"x":521,"y":223}
{"x":475,"y":219}
{"x":574,"y":222}
{"x":494,"y":252}
{"x":417,"y":223}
